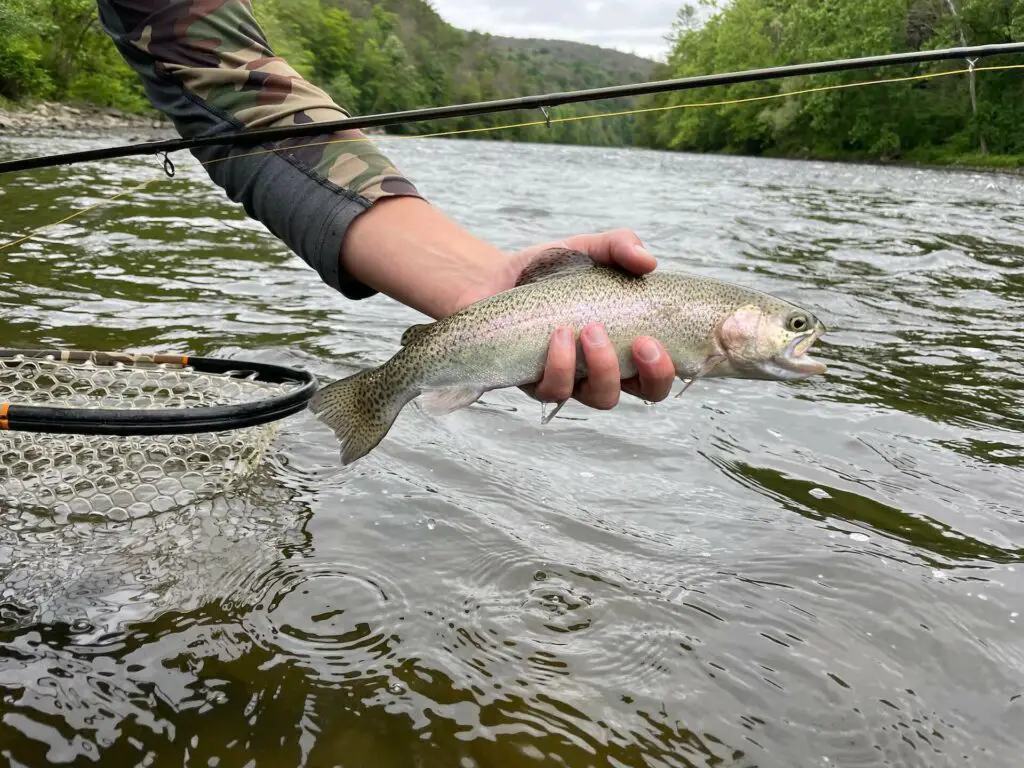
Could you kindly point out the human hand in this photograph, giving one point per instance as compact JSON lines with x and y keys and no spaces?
{"x":601,"y":389}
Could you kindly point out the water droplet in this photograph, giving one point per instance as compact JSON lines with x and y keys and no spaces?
{"x":586,"y":474}
{"x":431,"y":525}
{"x":982,"y":597}
{"x":938,"y":575}
{"x":820,"y":493}
{"x":860,"y":537}
{"x":396,"y":688}
{"x":1014,"y":615}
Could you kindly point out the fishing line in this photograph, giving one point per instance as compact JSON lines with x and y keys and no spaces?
{"x":79,"y":212}
{"x":547,"y":121}
{"x":623,"y":113}
{"x":258,"y":136}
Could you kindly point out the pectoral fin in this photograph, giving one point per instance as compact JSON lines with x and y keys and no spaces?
{"x":709,"y":365}
{"x":545,"y":417}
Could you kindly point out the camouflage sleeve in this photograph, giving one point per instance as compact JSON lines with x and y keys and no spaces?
{"x":208,"y":66}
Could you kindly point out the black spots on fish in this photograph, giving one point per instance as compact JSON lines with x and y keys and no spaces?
{"x":552,"y":263}
{"x":361,"y":408}
{"x":414,"y":332}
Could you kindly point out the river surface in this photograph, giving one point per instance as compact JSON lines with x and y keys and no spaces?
{"x":826,"y":573}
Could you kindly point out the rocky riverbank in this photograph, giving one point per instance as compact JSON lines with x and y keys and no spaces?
{"x":47,"y":118}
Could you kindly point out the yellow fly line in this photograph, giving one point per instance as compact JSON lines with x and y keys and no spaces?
{"x":531,"y":124}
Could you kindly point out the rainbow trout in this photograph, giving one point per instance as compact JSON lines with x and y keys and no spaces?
{"x":709,"y":329}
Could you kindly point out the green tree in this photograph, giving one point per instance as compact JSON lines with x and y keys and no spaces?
{"x":22,"y":71}
{"x":939,"y":119}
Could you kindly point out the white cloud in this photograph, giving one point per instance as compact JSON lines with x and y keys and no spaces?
{"x":637,"y":26}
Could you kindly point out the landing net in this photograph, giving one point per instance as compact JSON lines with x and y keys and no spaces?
{"x":121,"y":436}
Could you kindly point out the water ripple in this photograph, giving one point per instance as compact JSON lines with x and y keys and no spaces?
{"x":333,"y":617}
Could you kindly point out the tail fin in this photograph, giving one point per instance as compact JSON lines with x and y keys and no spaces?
{"x":360,"y":409}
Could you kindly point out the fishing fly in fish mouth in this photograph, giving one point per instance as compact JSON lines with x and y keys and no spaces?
{"x":709,"y":328}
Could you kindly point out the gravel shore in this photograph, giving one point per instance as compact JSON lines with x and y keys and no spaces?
{"x":48,"y":118}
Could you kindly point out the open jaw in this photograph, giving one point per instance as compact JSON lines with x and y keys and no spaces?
{"x":795,"y":359}
{"x":794,"y":363}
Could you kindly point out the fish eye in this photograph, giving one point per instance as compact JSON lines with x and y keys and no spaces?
{"x":798,"y":322}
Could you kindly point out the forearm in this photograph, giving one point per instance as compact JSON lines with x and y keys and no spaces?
{"x":410,"y":251}
{"x":211,"y":71}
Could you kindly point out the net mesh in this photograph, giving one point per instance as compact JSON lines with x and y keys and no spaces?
{"x":124,"y":477}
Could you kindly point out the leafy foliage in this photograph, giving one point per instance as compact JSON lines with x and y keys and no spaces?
{"x":930,"y":120}
{"x":370,"y":56}
{"x":21,"y":50}
{"x":563,"y":64}
{"x":383,"y":55}
{"x":56,"y":49}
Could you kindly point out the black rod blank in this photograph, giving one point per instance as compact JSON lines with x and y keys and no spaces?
{"x":249,"y":138}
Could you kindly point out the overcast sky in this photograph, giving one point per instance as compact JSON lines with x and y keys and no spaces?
{"x":634,"y":26}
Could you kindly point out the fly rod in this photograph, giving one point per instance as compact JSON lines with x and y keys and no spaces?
{"x":542,"y":101}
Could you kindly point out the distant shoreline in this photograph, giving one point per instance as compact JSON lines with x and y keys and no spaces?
{"x":49,"y":119}
{"x":53,"y":118}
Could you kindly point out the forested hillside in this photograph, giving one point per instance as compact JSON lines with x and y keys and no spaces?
{"x":370,"y":56}
{"x":559,"y":63}
{"x":382,"y":55}
{"x":933,"y":120}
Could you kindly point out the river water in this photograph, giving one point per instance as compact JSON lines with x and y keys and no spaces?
{"x":825,"y":573}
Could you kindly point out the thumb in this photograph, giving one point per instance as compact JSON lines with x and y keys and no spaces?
{"x":619,"y":246}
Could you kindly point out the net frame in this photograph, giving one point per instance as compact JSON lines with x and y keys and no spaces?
{"x":157,"y":421}
{"x":82,"y":455}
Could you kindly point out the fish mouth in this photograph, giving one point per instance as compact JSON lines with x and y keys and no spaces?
{"x":794,"y":362}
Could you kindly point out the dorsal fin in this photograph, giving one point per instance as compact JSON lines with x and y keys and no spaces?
{"x":554,"y":262}
{"x":413,"y":332}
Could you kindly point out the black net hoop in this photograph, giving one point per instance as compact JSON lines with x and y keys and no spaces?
{"x":117,"y":436}
{"x":106,"y":393}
